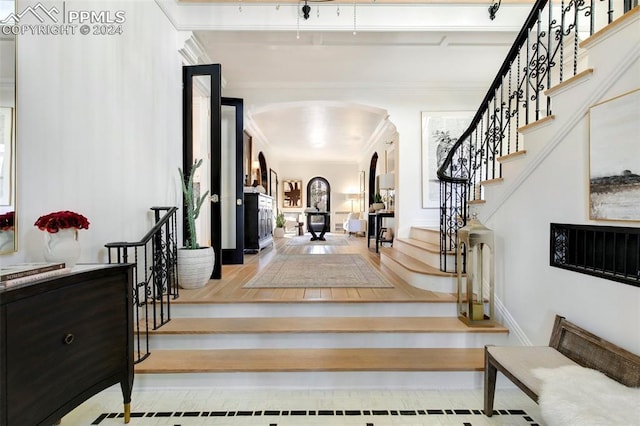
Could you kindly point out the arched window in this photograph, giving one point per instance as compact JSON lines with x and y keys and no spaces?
{"x":319,"y":194}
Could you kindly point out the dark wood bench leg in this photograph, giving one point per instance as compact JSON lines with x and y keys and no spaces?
{"x":490,"y":374}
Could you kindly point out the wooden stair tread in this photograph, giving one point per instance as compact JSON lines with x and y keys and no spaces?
{"x":426,"y":228}
{"x":308,"y":360}
{"x":424,"y":245}
{"x":321,"y":325}
{"x":514,"y":155}
{"x":413,"y":264}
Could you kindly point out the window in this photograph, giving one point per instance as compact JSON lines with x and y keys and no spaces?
{"x":319,"y":194}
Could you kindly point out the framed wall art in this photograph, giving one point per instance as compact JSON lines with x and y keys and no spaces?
{"x":614,"y":158}
{"x":440,"y":131}
{"x":273,"y":185}
{"x":292,"y":193}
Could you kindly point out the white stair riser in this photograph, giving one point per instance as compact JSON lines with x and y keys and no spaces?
{"x":428,"y":257}
{"x":325,"y":340}
{"x":313,"y":380}
{"x":270,"y":310}
{"x":513,"y":167}
{"x":427,"y":235}
{"x":422,"y":281}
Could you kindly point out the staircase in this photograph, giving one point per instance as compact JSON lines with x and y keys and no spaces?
{"x":608,"y":65}
{"x":608,"y":62}
{"x":321,"y":344}
{"x":416,"y":260}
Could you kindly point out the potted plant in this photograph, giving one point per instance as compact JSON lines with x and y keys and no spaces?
{"x":280,"y":221}
{"x":377,"y":202}
{"x":195,"y":263}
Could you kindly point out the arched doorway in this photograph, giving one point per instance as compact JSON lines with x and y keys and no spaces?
{"x":319,"y":196}
{"x":264,"y":172}
{"x":372,"y":177}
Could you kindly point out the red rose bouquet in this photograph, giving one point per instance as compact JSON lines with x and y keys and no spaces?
{"x":53,"y":222}
{"x":7,"y":221}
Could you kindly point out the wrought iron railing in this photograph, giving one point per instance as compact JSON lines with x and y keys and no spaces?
{"x":544,"y":54}
{"x":154,"y":274}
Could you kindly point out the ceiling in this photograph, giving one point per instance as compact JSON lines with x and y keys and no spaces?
{"x":336,"y":128}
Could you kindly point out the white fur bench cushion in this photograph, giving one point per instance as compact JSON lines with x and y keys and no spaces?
{"x":521,"y":360}
{"x":575,"y":395}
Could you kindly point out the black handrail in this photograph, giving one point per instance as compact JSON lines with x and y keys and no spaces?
{"x":154,"y":257}
{"x":548,"y":38}
{"x":497,"y":82}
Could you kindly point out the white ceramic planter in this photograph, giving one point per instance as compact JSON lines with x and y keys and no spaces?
{"x":195,"y":267}
{"x":62,"y":246}
{"x":278,"y":232}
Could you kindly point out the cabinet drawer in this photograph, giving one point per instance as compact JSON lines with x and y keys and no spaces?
{"x":265,"y":203}
{"x":70,"y":339}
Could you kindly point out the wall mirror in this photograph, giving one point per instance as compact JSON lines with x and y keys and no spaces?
{"x":8,"y":241}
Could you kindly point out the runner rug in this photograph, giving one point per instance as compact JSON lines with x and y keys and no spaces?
{"x":318,"y":270}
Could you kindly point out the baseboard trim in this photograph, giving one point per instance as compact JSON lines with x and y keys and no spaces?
{"x":510,"y":322}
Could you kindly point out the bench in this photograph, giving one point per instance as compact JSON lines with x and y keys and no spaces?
{"x":569,"y":345}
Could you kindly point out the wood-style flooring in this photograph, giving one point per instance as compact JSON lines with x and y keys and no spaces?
{"x":229,"y":288}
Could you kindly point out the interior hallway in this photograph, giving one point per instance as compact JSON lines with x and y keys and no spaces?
{"x":229,"y":288}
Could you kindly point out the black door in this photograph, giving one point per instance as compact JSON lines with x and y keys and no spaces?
{"x":232,"y":181}
{"x":206,"y":80}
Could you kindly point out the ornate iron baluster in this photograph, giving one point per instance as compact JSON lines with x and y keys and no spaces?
{"x":154,"y":275}
{"x":467,"y":164}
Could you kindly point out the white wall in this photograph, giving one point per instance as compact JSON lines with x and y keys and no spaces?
{"x":99,"y":128}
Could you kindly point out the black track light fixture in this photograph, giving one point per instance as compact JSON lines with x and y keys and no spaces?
{"x":306,"y":10}
{"x":493,"y":9}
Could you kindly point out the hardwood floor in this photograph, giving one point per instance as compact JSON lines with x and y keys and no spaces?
{"x":229,"y":288}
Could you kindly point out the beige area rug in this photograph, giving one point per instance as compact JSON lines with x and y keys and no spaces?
{"x":331,"y":240}
{"x":318,"y":270}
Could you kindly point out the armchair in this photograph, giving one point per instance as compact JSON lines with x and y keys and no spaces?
{"x":292,"y":222}
{"x":354,"y":224}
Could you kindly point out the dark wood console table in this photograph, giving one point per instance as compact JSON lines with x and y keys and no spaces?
{"x":375,"y":225}
{"x":64,"y":339}
{"x":325,"y":225}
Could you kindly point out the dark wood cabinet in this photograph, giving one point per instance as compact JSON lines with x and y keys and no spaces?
{"x":64,"y":339}
{"x":258,"y":221}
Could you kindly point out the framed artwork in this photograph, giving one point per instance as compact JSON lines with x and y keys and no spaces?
{"x":291,"y":193}
{"x":6,"y":152}
{"x":614,"y":158}
{"x":440,"y":131}
{"x":273,"y":185}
